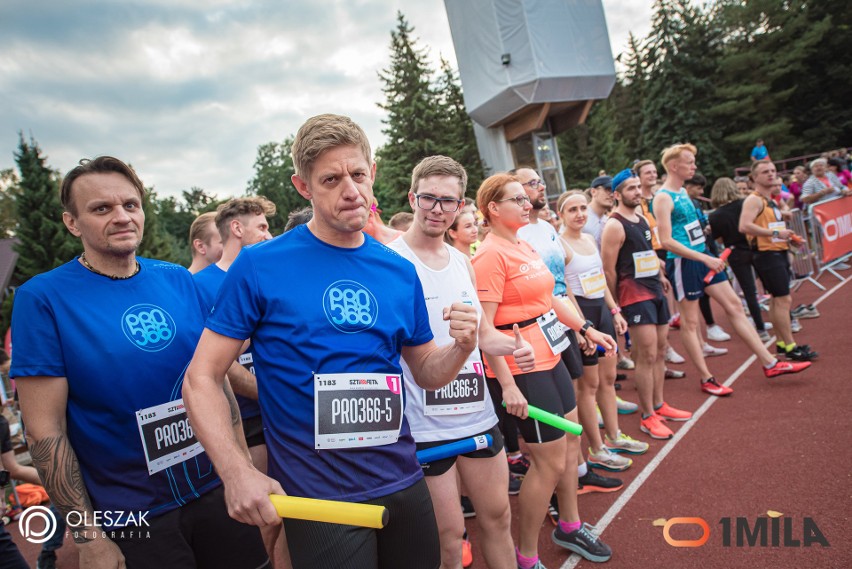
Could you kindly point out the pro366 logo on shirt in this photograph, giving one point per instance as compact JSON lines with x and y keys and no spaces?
{"x":148,"y":327}
{"x":350,"y":306}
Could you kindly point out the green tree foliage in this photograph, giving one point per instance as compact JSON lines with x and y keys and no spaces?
{"x":9,"y":190}
{"x":157,"y":243}
{"x":45,"y":242}
{"x":273,"y":170}
{"x":424,"y":117}
{"x":414,"y":120}
{"x":174,"y":217}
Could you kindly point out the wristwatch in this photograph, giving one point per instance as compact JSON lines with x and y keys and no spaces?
{"x":585,"y":327}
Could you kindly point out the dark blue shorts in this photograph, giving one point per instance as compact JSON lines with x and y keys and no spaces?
{"x":654,"y":311}
{"x":687,"y":278}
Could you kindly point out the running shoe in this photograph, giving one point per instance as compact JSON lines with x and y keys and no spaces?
{"x":625,"y":407}
{"x":467,"y":551}
{"x":795,"y":325}
{"x":654,"y":426}
{"x":538,"y":565}
{"x":711,"y":351}
{"x":584,"y":542}
{"x":673,"y":357}
{"x":713,"y":387}
{"x":674,"y":374}
{"x":625,"y":363}
{"x":518,"y":465}
{"x":802,"y":353}
{"x":717,"y":334}
{"x":594,"y":482}
{"x":514,"y":485}
{"x":806,"y":311}
{"x":669,"y":413}
{"x":764,"y":336}
{"x":674,"y":322}
{"x":608,"y":460}
{"x":467,"y":507}
{"x":780,"y":368}
{"x":623,"y":443}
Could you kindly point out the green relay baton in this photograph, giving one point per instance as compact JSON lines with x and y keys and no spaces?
{"x":556,"y":421}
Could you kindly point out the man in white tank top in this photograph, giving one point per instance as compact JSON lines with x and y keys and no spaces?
{"x":462,"y":409}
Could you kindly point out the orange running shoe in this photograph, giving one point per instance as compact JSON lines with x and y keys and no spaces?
{"x":713,"y":387}
{"x":780,"y":368}
{"x":654,"y":426}
{"x":669,"y":413}
{"x":467,"y":552}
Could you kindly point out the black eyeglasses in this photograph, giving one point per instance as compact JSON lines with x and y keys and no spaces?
{"x":428,"y":203}
{"x":517,"y":199}
{"x":533,"y":184}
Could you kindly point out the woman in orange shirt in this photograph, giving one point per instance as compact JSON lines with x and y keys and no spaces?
{"x":516,"y":287}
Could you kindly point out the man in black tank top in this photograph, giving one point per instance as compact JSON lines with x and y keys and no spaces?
{"x":634,"y":277}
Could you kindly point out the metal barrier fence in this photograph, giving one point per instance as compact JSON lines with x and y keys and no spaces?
{"x":802,"y":257}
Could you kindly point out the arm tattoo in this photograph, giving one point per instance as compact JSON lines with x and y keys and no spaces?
{"x":59,"y":469}
{"x":232,"y":404}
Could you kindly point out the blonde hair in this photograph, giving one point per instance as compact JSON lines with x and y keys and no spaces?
{"x":491,"y":190}
{"x":673,"y":153}
{"x":199,"y":229}
{"x":637,"y":168}
{"x":321,"y":133}
{"x":724,"y":192}
{"x":569,"y":194}
{"x":238,"y":207}
{"x":438,"y":166}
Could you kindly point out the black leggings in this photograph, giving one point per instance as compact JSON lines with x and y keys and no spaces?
{"x":704,"y":305}
{"x":741,"y":263}
{"x":409,"y":540}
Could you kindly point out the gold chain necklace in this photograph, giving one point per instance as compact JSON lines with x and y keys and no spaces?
{"x":112,"y":277}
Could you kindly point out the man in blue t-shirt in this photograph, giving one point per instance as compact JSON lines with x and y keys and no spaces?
{"x":329,"y":311}
{"x":101,"y":346}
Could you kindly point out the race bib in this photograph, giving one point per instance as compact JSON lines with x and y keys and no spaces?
{"x":777,"y":226}
{"x":247,"y":361}
{"x":645,"y":264}
{"x":593,"y":283}
{"x":554,"y":332}
{"x":167,"y":436}
{"x":357,"y":409}
{"x":464,"y":394}
{"x":694,"y":233}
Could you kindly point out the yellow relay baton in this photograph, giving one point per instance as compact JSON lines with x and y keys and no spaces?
{"x":330,"y":511}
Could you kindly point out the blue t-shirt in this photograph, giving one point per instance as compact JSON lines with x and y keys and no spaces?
{"x":759,"y":152}
{"x":208,"y":281}
{"x":313,"y":308}
{"x":123,"y":346}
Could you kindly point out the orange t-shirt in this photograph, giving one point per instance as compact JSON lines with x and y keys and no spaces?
{"x":515,"y":277}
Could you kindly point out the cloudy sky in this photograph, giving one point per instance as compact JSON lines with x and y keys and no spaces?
{"x":186,"y":90}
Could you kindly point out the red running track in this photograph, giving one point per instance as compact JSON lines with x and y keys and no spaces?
{"x":773,"y":445}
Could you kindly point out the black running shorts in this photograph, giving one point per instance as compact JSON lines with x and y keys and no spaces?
{"x":409,"y":540}
{"x":572,"y":357}
{"x":253,"y":431}
{"x":199,"y":534}
{"x":595,"y":309}
{"x":773,"y":268}
{"x":550,"y":390}
{"x":654,"y":311}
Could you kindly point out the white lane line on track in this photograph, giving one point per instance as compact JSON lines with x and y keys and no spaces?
{"x":637,"y":483}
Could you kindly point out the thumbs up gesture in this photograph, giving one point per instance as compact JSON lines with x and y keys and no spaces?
{"x":523,"y":354}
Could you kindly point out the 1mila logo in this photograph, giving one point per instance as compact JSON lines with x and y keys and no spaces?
{"x":740,"y":532}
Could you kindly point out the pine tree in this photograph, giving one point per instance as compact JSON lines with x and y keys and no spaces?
{"x":458,"y":140}
{"x":273,"y":169}
{"x":682,"y":60}
{"x":414,"y":121}
{"x":156,"y":241}
{"x":45,"y":242}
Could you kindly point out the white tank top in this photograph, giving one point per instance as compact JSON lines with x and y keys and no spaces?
{"x":584,"y":274}
{"x":463,"y":408}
